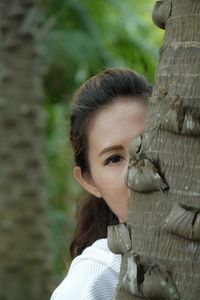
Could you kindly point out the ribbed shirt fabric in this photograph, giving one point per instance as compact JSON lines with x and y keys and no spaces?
{"x":93,"y":275}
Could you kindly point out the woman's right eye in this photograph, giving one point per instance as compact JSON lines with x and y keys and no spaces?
{"x":113,"y":159}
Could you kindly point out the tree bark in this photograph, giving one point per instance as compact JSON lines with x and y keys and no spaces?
{"x":164,"y":211}
{"x":25,"y":263}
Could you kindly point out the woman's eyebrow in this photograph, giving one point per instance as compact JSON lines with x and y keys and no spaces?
{"x":111,"y":148}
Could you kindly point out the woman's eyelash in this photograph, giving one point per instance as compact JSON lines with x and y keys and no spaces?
{"x":113,"y":159}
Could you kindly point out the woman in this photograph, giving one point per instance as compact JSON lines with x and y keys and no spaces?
{"x":109,"y":111}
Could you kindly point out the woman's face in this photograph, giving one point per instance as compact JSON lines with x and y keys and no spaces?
{"x":109,"y":135}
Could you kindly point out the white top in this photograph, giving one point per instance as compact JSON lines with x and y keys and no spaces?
{"x":93,"y":275}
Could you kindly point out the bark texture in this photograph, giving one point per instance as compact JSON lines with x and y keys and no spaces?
{"x":25,"y":263}
{"x":165,"y":222}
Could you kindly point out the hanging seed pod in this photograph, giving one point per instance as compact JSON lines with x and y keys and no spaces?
{"x":161,"y":13}
{"x":143,"y":176}
{"x":174,"y":117}
{"x":145,"y":281}
{"x":158,"y":284}
{"x":191,"y":124}
{"x":182,"y":120}
{"x":154,"y":99}
{"x":119,"y":240}
{"x":162,"y":93}
{"x":135,"y":147}
{"x":184,"y":221}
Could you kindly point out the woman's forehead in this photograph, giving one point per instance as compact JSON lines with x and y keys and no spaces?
{"x":115,"y":124}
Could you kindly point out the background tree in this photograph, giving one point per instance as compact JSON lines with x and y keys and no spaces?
{"x":25,"y":261}
{"x":164,"y":215}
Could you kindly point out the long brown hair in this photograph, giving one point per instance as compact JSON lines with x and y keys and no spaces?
{"x":94,"y":215}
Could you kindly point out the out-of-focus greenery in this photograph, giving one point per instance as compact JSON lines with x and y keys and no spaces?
{"x":85,"y":36}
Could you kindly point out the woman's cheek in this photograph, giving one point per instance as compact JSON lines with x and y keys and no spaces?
{"x":118,"y":180}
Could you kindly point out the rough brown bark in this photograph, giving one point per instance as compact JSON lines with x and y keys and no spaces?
{"x":25,"y":263}
{"x":165,"y":224}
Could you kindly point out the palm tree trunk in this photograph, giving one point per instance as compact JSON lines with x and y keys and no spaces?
{"x":165,"y":222}
{"x":25,"y":263}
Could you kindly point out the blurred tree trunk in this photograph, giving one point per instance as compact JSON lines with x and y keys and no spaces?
{"x":25,"y":263}
{"x":165,"y":223}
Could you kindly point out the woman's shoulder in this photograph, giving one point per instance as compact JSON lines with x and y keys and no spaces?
{"x":89,"y":274}
{"x":100,"y":253}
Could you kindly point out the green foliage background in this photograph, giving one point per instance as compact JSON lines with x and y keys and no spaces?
{"x":84,"y":37}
